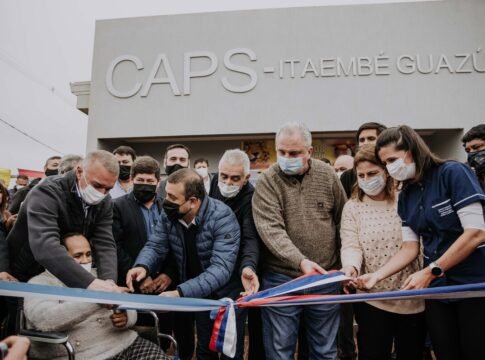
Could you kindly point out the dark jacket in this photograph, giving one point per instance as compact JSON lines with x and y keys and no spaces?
{"x":242,"y":207}
{"x":51,"y":210}
{"x":129,"y":232}
{"x":161,"y":189}
{"x":4,"y":258}
{"x":348,"y":180}
{"x":20,"y":196}
{"x":217,"y":243}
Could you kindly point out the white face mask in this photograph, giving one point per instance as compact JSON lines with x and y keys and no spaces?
{"x":90,"y":195}
{"x":19,"y":186}
{"x":228,"y":191}
{"x":202,"y":172}
{"x":339,"y":174}
{"x":87,"y":266}
{"x":401,"y":171}
{"x":291,"y":166}
{"x":372,"y":186}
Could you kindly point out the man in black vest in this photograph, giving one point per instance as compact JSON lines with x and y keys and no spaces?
{"x":135,"y":216}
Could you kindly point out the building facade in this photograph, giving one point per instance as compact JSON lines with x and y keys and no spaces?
{"x":215,"y":81}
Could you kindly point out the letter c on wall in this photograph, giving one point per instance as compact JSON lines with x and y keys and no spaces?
{"x":109,"y":76}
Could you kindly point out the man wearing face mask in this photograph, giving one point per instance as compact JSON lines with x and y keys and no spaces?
{"x":51,"y":168}
{"x":95,"y":332}
{"x":76,"y":202}
{"x":474,"y":144}
{"x":232,"y":187}
{"x":135,"y":216}
{"x":125,"y":156}
{"x":343,"y":163}
{"x":203,"y":235}
{"x":21,"y":182}
{"x":202,"y":167}
{"x":177,"y":156}
{"x":297,"y":207}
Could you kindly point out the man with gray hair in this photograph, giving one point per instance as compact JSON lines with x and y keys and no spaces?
{"x":74,"y":203}
{"x":297,"y":207}
{"x":69,"y":162}
{"x":232,"y":187}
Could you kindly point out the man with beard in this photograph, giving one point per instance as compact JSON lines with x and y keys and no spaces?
{"x":177,"y":156}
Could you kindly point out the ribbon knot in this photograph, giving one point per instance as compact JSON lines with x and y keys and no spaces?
{"x":224,"y":332}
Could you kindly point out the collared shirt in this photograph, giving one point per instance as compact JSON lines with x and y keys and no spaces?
{"x":85,"y":205}
{"x":151,"y":216}
{"x":118,"y":191}
{"x":430,"y":209}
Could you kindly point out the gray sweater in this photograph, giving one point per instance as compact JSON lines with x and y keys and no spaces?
{"x":89,"y":326}
{"x":299,"y":220}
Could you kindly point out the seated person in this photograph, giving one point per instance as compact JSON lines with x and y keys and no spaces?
{"x":94,"y":331}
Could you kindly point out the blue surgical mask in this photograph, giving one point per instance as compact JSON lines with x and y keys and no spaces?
{"x":291,"y":166}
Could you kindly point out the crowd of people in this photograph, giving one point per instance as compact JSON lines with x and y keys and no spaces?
{"x":394,"y":216}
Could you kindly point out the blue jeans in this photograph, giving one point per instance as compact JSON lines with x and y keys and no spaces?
{"x":280,"y":324}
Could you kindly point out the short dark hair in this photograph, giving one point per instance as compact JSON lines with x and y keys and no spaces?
{"x":193,"y":183}
{"x":476,"y":132}
{"x":69,"y":162}
{"x":55,"y":157}
{"x":22,"y":176}
{"x":146,"y":165}
{"x":370,"y":126}
{"x":69,"y":235}
{"x":201,"y":160}
{"x":177,"y":146}
{"x":405,"y":138}
{"x":125,"y":150}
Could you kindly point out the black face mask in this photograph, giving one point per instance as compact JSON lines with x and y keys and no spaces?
{"x":169,"y":169}
{"x":477,"y":161}
{"x":125,"y":172}
{"x":50,"y":172}
{"x":144,"y":192}
{"x":173,"y":210}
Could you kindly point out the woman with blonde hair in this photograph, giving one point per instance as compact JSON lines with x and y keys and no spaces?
{"x":371,"y":235}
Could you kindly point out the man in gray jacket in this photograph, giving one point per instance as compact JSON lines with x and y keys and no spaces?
{"x":203,"y":235}
{"x":76,"y":202}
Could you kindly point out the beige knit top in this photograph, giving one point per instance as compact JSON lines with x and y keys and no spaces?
{"x":371,"y":235}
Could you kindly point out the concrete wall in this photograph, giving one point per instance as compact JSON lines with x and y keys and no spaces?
{"x":332,"y":67}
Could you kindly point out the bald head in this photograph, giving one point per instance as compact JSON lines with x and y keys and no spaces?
{"x":343,"y":163}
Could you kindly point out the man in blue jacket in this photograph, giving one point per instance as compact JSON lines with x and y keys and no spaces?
{"x":203,"y":235}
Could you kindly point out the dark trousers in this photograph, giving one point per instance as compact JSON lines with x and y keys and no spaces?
{"x":456,"y":328}
{"x":345,"y":337}
{"x":204,"y":331}
{"x":378,"y":329}
{"x":255,"y":332}
{"x":183,"y":330}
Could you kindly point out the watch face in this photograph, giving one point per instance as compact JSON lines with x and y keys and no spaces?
{"x":436,"y":271}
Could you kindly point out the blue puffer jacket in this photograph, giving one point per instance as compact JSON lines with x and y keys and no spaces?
{"x":217,"y":242}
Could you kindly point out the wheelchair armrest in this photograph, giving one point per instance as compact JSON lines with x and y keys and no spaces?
{"x":51,"y":337}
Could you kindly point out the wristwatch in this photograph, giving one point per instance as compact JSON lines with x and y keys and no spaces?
{"x":436,"y":270}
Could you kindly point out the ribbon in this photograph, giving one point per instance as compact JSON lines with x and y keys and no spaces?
{"x":224,"y":336}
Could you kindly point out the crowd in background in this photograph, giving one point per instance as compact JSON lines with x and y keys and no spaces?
{"x":393,"y":216}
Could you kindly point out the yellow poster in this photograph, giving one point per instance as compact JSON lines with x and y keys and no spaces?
{"x":5,"y":176}
{"x":261,"y":153}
